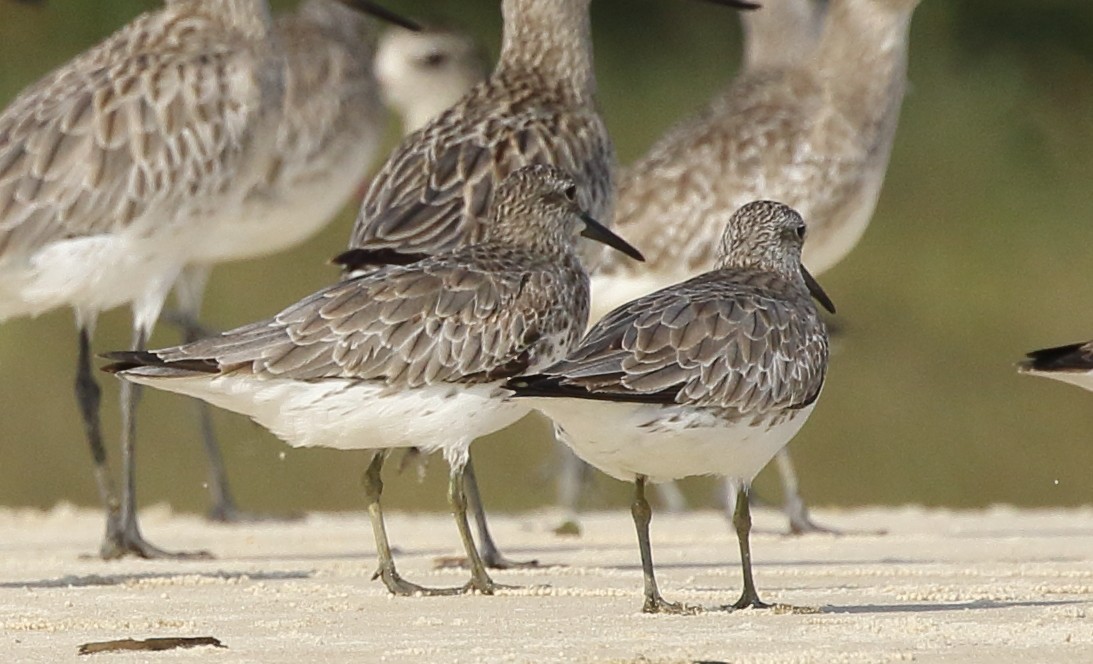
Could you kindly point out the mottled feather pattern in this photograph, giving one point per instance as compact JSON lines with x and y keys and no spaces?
{"x":816,"y":135}
{"x":480,"y":315}
{"x":434,"y":191}
{"x":158,"y":114}
{"x":331,"y":98}
{"x":743,"y":342}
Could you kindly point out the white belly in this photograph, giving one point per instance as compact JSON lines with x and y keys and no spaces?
{"x":351,"y":415}
{"x":666,"y":443}
{"x":92,"y":274}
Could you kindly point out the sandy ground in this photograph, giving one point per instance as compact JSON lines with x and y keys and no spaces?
{"x":987,"y":586}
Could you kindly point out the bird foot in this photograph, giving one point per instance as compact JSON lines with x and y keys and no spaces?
{"x":492,"y":560}
{"x":121,"y":545}
{"x":658,"y":604}
{"x":399,"y":587}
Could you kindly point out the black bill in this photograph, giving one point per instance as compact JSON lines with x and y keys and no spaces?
{"x":817,"y":291}
{"x":594,"y":230}
{"x":737,"y":4}
{"x":382,"y":13}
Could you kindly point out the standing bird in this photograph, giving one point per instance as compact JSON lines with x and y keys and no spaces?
{"x":537,"y":107}
{"x":408,"y":355}
{"x":112,"y":170}
{"x":422,"y":74}
{"x":1071,"y":364}
{"x":710,"y":376}
{"x":330,"y":124}
{"x":133,"y":163}
{"x":814,"y":131}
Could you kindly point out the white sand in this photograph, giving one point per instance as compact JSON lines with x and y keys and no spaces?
{"x":993,"y":586}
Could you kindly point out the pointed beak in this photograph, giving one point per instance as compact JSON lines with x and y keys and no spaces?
{"x":382,"y":13}
{"x":736,"y":4}
{"x":817,"y":291}
{"x":594,"y":230}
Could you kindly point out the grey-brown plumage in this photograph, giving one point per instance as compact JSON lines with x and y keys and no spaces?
{"x":330,"y":122}
{"x":810,"y":122}
{"x":114,"y":167}
{"x":408,"y":355}
{"x":538,"y":107}
{"x":816,"y":135}
{"x":161,"y":113}
{"x":710,"y":376}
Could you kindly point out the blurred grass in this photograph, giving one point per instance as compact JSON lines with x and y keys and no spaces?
{"x":978,"y":252}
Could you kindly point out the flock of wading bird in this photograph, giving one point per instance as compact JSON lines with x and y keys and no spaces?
{"x":209,"y":131}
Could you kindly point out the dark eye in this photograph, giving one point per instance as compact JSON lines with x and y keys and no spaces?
{"x":801,"y":232}
{"x":571,"y":193}
{"x":434,"y":59}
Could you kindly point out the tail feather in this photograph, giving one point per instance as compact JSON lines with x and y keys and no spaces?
{"x":140,"y":361}
{"x":1072,"y":357}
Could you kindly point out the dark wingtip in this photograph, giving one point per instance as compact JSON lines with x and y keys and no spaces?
{"x":124,"y":360}
{"x":737,"y":4}
{"x":360,"y":259}
{"x":127,"y":360}
{"x":1071,"y":357}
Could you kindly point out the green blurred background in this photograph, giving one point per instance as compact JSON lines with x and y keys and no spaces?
{"x":978,"y":252}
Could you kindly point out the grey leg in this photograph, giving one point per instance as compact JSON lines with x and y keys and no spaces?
{"x":89,"y":398}
{"x":572,"y":479}
{"x":741,"y":520}
{"x":190,"y":292}
{"x":491,"y":555}
{"x":373,"y":489}
{"x":800,"y":522}
{"x":130,"y":541}
{"x":457,"y":497}
{"x":643,"y":514}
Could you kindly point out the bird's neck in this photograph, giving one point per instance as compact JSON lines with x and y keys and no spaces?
{"x":550,"y":38}
{"x":862,"y":58}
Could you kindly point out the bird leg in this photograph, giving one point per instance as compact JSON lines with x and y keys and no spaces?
{"x":741,"y":520}
{"x":89,"y":398}
{"x":128,"y":540}
{"x":573,"y":477}
{"x":643,"y":514}
{"x":396,"y":585}
{"x":457,"y":497}
{"x":487,"y":548}
{"x":800,"y":521}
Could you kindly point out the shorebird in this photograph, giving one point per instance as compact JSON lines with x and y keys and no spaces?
{"x":421,"y":74}
{"x":1071,"y":364}
{"x":118,"y":169}
{"x":713,"y":375}
{"x":814,"y":131}
{"x":409,"y":355}
{"x":537,"y":107}
{"x":111,"y":168}
{"x":331,"y":121}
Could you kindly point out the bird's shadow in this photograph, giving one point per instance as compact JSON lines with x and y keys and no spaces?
{"x":976,"y":605}
{"x":101,"y":580}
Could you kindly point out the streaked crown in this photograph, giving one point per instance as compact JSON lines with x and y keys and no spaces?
{"x":535,"y":206}
{"x":764,"y":235}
